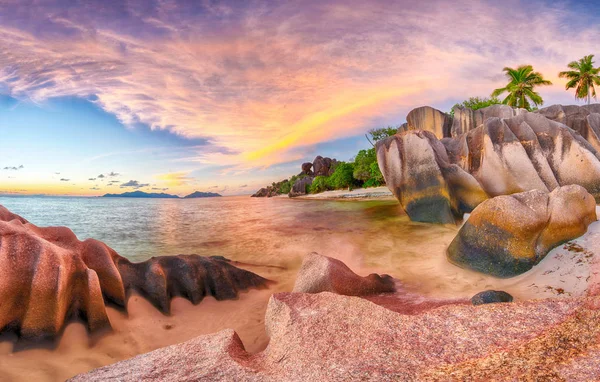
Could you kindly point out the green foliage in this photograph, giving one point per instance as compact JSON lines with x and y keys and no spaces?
{"x":376,"y":174}
{"x":362,"y":164}
{"x":319,"y":184}
{"x":342,"y":176}
{"x":475,"y":103}
{"x":285,"y":187}
{"x":520,"y":89}
{"x":583,"y":77}
{"x":382,"y":133}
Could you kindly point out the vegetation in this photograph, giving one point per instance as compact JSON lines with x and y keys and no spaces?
{"x":475,"y":103}
{"x":521,"y":88}
{"x":582,"y":77}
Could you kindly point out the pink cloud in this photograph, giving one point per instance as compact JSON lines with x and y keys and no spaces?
{"x":265,"y":80}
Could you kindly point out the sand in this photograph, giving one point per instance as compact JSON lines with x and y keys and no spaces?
{"x":357,"y":194}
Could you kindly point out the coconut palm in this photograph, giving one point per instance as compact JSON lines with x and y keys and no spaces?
{"x":583,"y":77}
{"x":520,"y":89}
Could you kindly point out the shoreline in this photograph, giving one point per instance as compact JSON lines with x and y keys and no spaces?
{"x":378,"y":193}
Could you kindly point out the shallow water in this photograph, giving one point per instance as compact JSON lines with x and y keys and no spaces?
{"x":269,"y":236}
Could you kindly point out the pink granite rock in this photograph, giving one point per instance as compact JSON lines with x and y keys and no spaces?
{"x":324,"y":274}
{"x":328,"y":337}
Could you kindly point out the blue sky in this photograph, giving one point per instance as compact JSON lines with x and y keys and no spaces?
{"x":229,"y":96}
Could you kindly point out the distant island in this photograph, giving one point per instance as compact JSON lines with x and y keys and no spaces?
{"x":162,"y":195}
{"x":199,"y":194}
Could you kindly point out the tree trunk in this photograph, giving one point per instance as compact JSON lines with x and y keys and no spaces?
{"x":589,"y":97}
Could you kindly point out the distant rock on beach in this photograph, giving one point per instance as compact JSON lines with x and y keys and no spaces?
{"x":199,"y":194}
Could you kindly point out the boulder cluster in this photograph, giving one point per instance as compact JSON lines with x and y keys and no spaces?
{"x":48,"y":276}
{"x":299,"y":184}
{"x":440,"y":167}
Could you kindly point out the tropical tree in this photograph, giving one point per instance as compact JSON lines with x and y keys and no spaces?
{"x":520,"y":89}
{"x":583,"y":77}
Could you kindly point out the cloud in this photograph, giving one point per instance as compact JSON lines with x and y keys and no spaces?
{"x":113,"y":182}
{"x":57,"y":173}
{"x":265,"y":81}
{"x":92,"y":179}
{"x":113,"y":174}
{"x":244,"y":186}
{"x":134,"y":184}
{"x":14,"y":168}
{"x":160,"y":189}
{"x":101,"y":176}
{"x":174,"y":179}
{"x":65,"y":180}
{"x":94,"y":188}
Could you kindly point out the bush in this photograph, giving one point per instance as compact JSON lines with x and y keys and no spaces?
{"x":319,"y":184}
{"x":382,"y":133}
{"x":475,"y":103}
{"x":362,"y":164}
{"x":286,"y":187}
{"x":342,"y":176}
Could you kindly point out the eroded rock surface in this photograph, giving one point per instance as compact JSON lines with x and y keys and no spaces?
{"x":508,"y":235}
{"x":437,"y":182}
{"x":48,"y":276}
{"x":325,"y":274}
{"x":328,"y":337}
{"x":301,"y":185}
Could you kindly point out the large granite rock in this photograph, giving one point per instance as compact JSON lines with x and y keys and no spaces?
{"x":324,"y":274}
{"x":502,"y":156}
{"x":301,"y":186}
{"x":328,"y":337}
{"x":307,"y":169}
{"x":417,"y":170}
{"x":48,"y":276}
{"x":323,"y":166}
{"x":583,"y":119}
{"x":429,"y":119}
{"x":466,"y":119}
{"x":507,"y":235}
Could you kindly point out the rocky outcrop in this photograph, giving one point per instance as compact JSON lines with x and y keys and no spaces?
{"x":324,"y":274}
{"x":301,"y":186}
{"x":328,"y":337}
{"x":429,"y":119}
{"x":491,"y":297}
{"x":306,"y":169}
{"x":502,"y":156}
{"x":583,"y":119}
{"x":324,"y":166}
{"x":508,"y":235}
{"x":262,"y":193}
{"x":466,"y":119}
{"x":417,"y":170}
{"x":48,"y":276}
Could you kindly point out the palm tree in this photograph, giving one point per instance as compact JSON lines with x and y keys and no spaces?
{"x":583,"y":77}
{"x":520,"y":88}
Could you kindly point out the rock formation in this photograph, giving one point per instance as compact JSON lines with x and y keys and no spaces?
{"x":306,"y":169}
{"x":430,"y":119}
{"x":417,"y":170}
{"x":328,"y":337}
{"x":502,"y":156}
{"x":583,"y":119}
{"x":300,"y":186}
{"x":507,"y":235}
{"x":324,"y":274}
{"x":48,"y":276}
{"x":491,"y":297}
{"x":323,"y":166}
{"x":466,"y":119}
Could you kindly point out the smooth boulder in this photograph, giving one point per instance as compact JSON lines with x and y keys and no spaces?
{"x":300,"y":187}
{"x":325,"y":274}
{"x":507,"y":235}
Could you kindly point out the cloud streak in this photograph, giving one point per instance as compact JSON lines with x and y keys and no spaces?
{"x":263,"y":80}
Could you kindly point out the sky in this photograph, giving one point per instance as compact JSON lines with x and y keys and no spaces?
{"x":229,"y":96}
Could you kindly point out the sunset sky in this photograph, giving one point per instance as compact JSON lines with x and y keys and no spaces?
{"x":165,"y":96}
